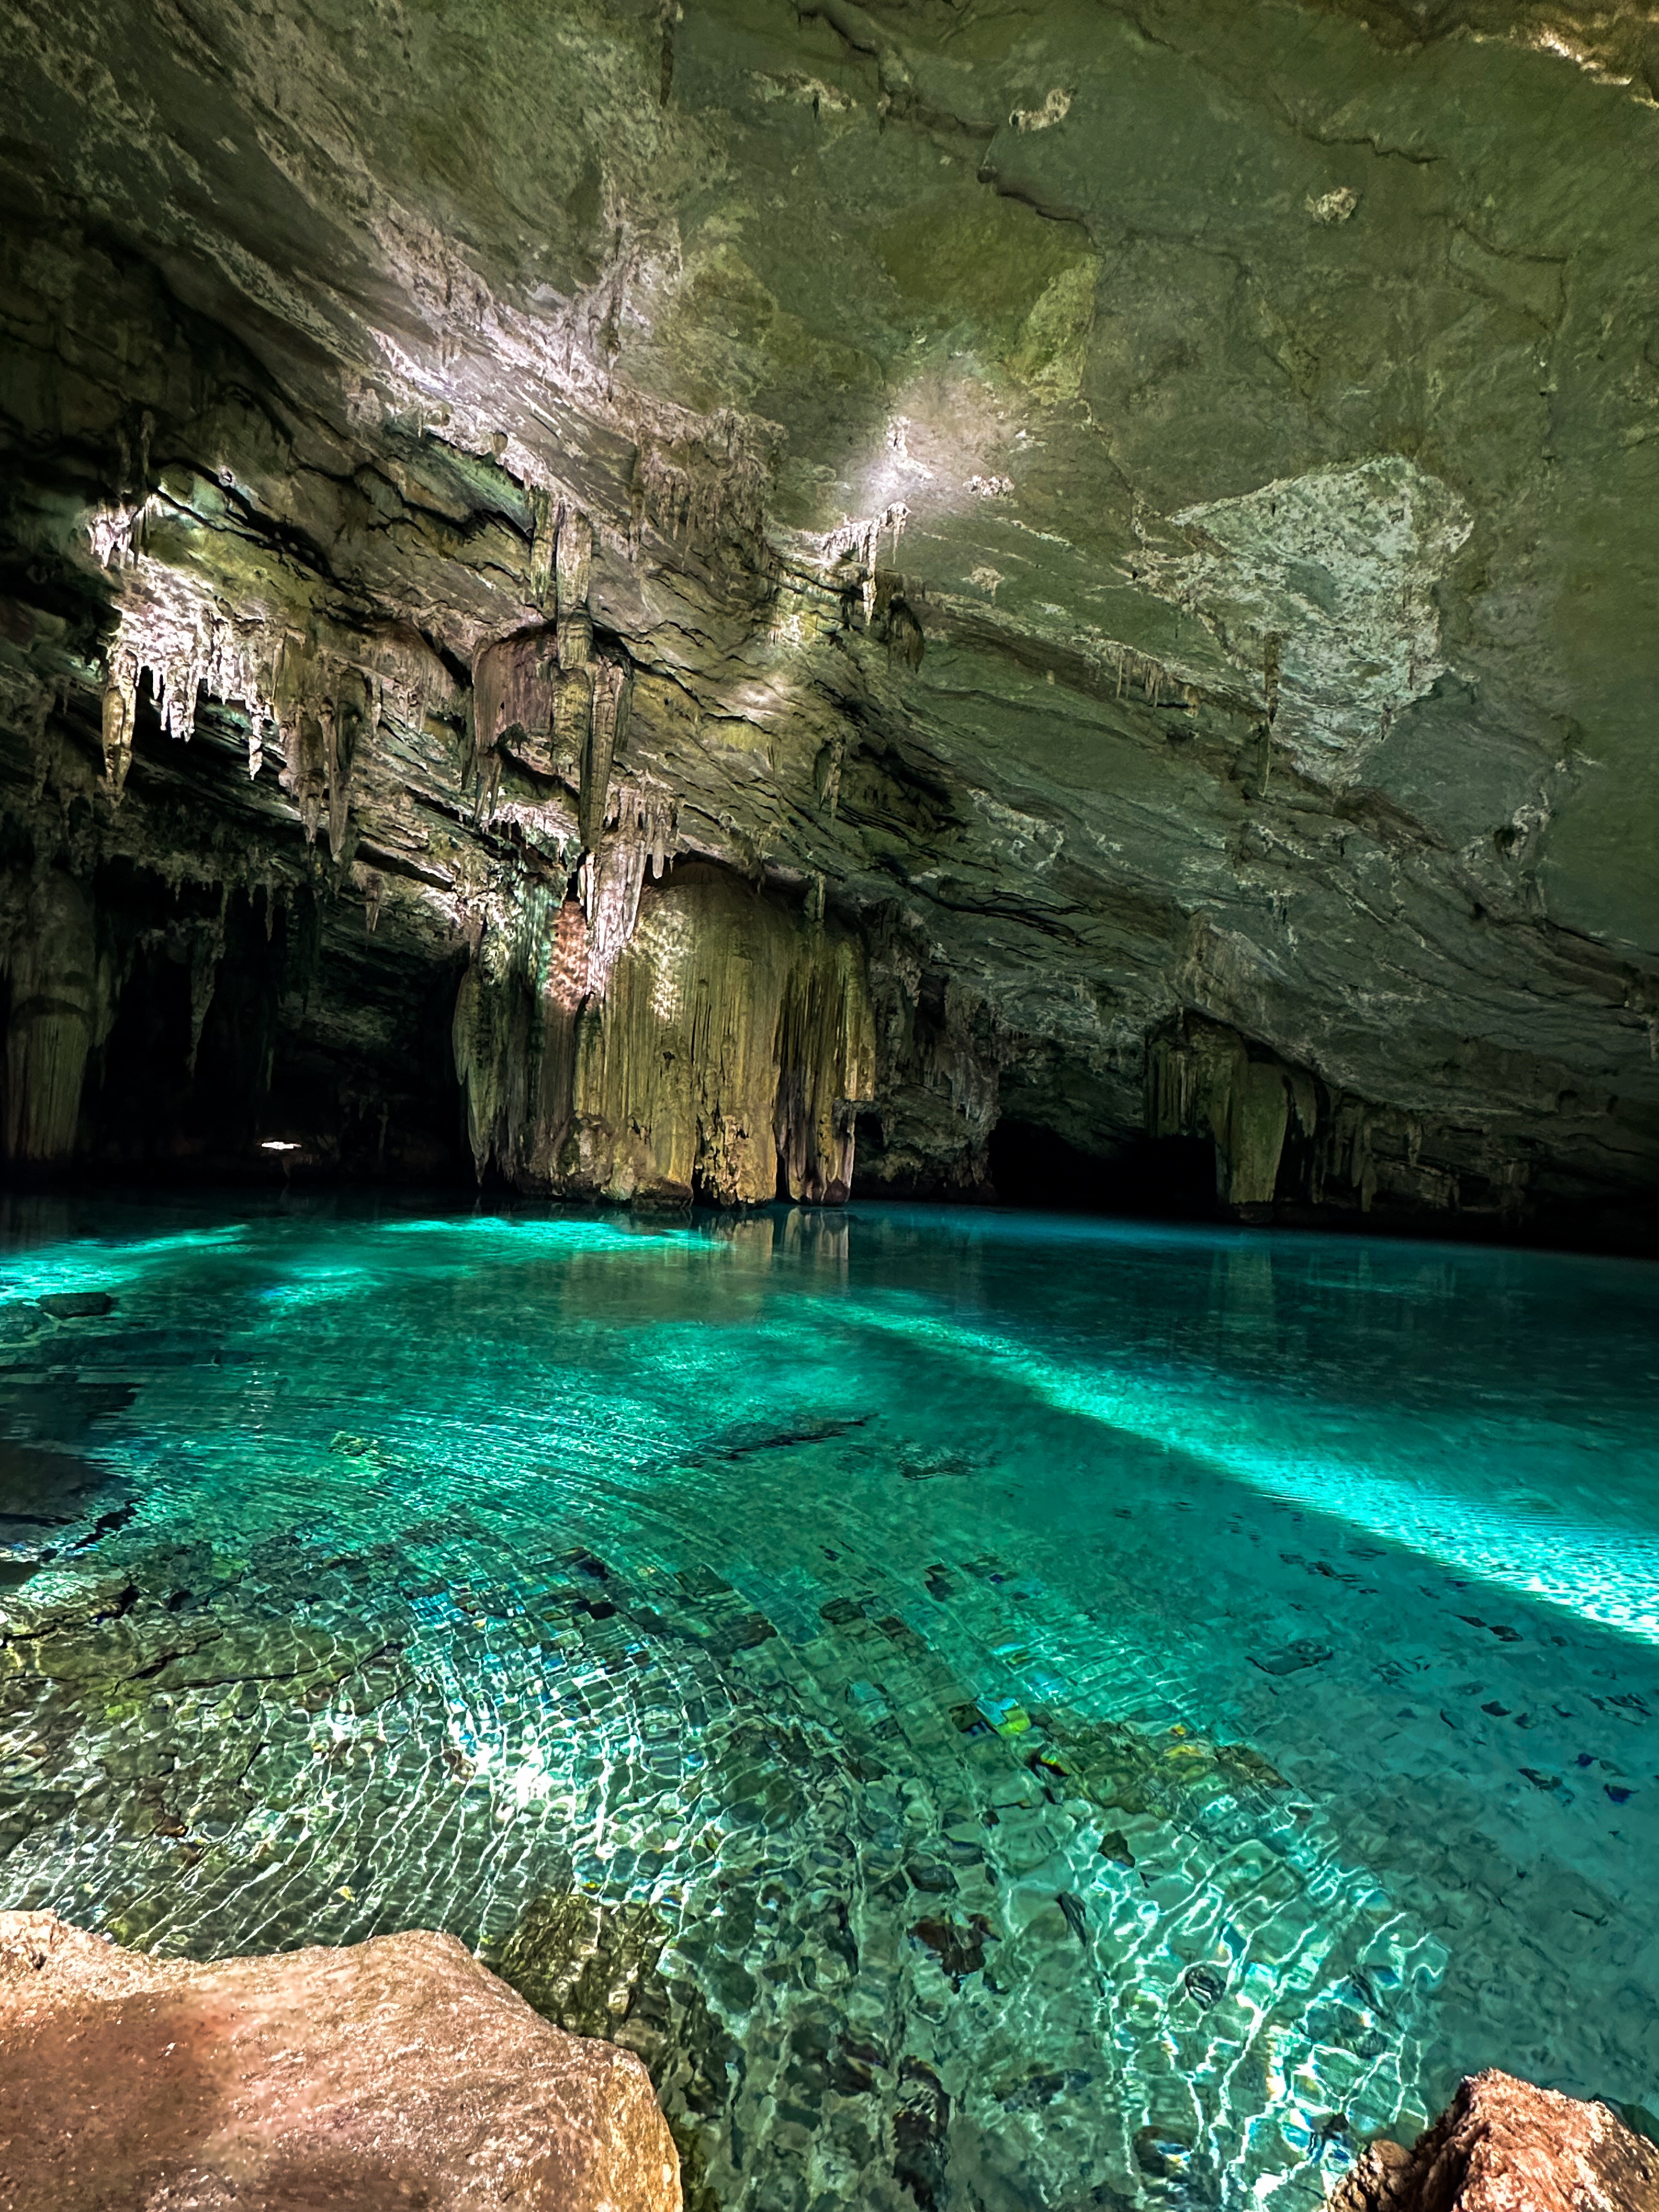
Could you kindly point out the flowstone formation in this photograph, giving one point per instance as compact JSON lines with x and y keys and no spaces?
{"x":759,"y":599}
{"x":721,"y":1055}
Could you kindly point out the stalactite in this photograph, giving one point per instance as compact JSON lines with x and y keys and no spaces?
{"x":826,"y":775}
{"x":648,"y":812}
{"x":171,"y":626}
{"x":207,"y":951}
{"x":304,"y":775}
{"x":320,"y":688}
{"x":696,"y":1050}
{"x":826,"y":1065}
{"x":476,"y":1042}
{"x":607,"y":727}
{"x":513,"y":683}
{"x":858,"y":541}
{"x":704,"y":478}
{"x":576,"y":623}
{"x":1157,"y":681}
{"x":573,"y":711}
{"x":513,"y":1035}
{"x":1202,"y":1081}
{"x":544,"y":512}
{"x":120,"y":711}
{"x":116,"y":533}
{"x":334,"y":776}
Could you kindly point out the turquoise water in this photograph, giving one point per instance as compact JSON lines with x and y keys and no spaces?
{"x":1097,"y":1714}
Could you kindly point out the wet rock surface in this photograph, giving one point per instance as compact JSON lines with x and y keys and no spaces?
{"x":1503,"y":2144}
{"x":387,"y":2075}
{"x":1124,"y":534}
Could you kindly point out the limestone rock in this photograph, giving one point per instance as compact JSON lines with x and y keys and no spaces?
{"x":1506,"y":2146}
{"x":1138,"y":516}
{"x":391,"y":2074}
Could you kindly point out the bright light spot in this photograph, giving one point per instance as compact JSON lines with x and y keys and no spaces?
{"x":1055,"y":109}
{"x":278,"y":1145}
{"x":665,"y":940}
{"x":1588,"y":1568}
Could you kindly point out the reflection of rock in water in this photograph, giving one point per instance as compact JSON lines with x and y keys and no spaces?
{"x":920,"y":2128}
{"x":592,"y":1969}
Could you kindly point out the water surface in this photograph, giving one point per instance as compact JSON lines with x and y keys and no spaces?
{"x":1087,"y":1714}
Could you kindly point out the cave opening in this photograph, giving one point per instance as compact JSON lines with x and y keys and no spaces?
{"x":1170,"y":1178}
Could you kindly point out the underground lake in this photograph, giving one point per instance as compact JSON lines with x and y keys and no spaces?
{"x":997,"y":1708}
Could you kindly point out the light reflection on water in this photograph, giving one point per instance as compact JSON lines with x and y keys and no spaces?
{"x":1103,"y":1714}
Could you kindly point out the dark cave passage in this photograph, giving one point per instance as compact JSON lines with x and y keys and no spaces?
{"x":1167,"y":1178}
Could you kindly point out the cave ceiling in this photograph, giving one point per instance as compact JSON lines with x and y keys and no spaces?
{"x":1147,"y":515}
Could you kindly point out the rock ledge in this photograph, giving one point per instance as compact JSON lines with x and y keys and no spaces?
{"x":1503,"y":2145}
{"x":398,"y":2073}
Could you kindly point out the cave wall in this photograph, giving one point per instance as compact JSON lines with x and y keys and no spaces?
{"x":1122,"y":536}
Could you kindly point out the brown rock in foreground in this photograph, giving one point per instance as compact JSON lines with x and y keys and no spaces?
{"x":397,"y":2075}
{"x":1504,"y":2146}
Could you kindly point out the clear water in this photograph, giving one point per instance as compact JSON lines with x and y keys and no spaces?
{"x":1103,"y":1715}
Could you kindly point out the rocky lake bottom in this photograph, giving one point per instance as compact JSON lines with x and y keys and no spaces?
{"x":999,"y":1711}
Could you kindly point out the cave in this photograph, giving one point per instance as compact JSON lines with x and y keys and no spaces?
{"x":829,"y":1111}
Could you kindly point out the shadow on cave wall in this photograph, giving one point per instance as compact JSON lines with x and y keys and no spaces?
{"x":233,"y":1019}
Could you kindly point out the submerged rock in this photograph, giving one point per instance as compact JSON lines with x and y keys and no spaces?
{"x":1204,"y":1985}
{"x":960,"y":1946}
{"x":1503,"y":2145}
{"x":394,"y":2073}
{"x":1305,"y":1652}
{"x":580,"y":1963}
{"x":77,"y":1305}
{"x":593,"y":1970}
